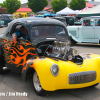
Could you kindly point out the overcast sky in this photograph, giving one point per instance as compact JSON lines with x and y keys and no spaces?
{"x":22,"y":1}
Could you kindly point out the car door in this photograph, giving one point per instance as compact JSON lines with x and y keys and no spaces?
{"x":88,"y":30}
{"x":16,"y":54}
{"x":97,"y":30}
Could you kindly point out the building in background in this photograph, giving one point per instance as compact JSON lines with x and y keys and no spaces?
{"x":24,"y":10}
{"x":3,"y":10}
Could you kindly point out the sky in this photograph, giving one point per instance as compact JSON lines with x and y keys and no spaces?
{"x":22,"y":1}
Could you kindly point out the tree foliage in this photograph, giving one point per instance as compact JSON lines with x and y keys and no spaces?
{"x":37,"y":5}
{"x":58,"y":5}
{"x":12,"y":5}
{"x":77,"y":4}
{"x":2,"y":5}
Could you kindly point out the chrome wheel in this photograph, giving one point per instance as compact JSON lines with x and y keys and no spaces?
{"x":36,"y":82}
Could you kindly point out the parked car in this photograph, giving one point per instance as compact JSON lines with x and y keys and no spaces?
{"x":46,"y":15}
{"x":47,"y":56}
{"x":1,"y":23}
{"x":39,"y":16}
{"x":62,"y":19}
{"x":20,"y":15}
{"x":7,"y":18}
{"x":69,"y":20}
{"x":79,"y":22}
{"x":88,"y":32}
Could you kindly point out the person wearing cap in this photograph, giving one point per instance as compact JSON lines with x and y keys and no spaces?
{"x":21,"y":33}
{"x":99,"y":22}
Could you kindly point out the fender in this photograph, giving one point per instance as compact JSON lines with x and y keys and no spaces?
{"x":42,"y":66}
{"x":73,"y":38}
{"x":29,"y":67}
{"x":99,"y":41}
{"x":26,"y":72}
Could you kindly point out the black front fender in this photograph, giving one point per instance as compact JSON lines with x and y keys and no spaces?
{"x":29,"y":70}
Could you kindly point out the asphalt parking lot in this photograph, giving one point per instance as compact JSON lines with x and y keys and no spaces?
{"x":13,"y":88}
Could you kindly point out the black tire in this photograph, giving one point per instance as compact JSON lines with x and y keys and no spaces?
{"x":37,"y":86}
{"x":1,"y":69}
{"x":93,"y":85}
{"x":4,"y":69}
{"x":73,"y":42}
{"x":2,"y":64}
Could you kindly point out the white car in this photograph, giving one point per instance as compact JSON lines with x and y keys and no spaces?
{"x":88,"y":32}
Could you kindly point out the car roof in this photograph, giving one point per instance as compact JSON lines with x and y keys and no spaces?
{"x":29,"y":22}
{"x":69,"y":16}
{"x":36,"y":21}
{"x":98,"y":17}
{"x":7,"y":14}
{"x":57,"y":17}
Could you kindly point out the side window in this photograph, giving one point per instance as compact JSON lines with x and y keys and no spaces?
{"x":87,"y":22}
{"x":97,"y":22}
{"x":20,"y":31}
{"x":1,"y":16}
{"x":6,"y":17}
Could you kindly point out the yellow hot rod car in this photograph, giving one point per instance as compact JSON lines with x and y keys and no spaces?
{"x":47,"y":55}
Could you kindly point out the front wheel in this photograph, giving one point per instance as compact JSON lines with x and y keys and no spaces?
{"x":37,"y":86}
{"x":4,"y":69}
{"x":94,"y":85}
{"x":73,"y":42}
{"x":1,"y":69}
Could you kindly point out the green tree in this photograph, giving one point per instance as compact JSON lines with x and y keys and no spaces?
{"x":58,"y":5}
{"x":37,"y":5}
{"x":12,"y":5}
{"x":77,"y":4}
{"x":2,"y":5}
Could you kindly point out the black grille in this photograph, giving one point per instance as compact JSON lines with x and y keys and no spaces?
{"x":82,"y":77}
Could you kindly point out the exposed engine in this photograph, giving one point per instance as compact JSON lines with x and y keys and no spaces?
{"x":60,"y":50}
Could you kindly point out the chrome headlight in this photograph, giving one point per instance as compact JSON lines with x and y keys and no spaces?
{"x":54,"y":69}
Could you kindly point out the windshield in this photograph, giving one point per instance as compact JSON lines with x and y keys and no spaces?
{"x":12,"y":16}
{"x":47,"y":31}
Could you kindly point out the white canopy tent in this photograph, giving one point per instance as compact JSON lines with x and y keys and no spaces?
{"x":94,"y":11}
{"x":67,"y":11}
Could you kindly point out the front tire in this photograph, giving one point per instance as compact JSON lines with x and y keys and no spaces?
{"x":37,"y":86}
{"x":94,"y":85}
{"x":1,"y":69}
{"x":73,"y":42}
